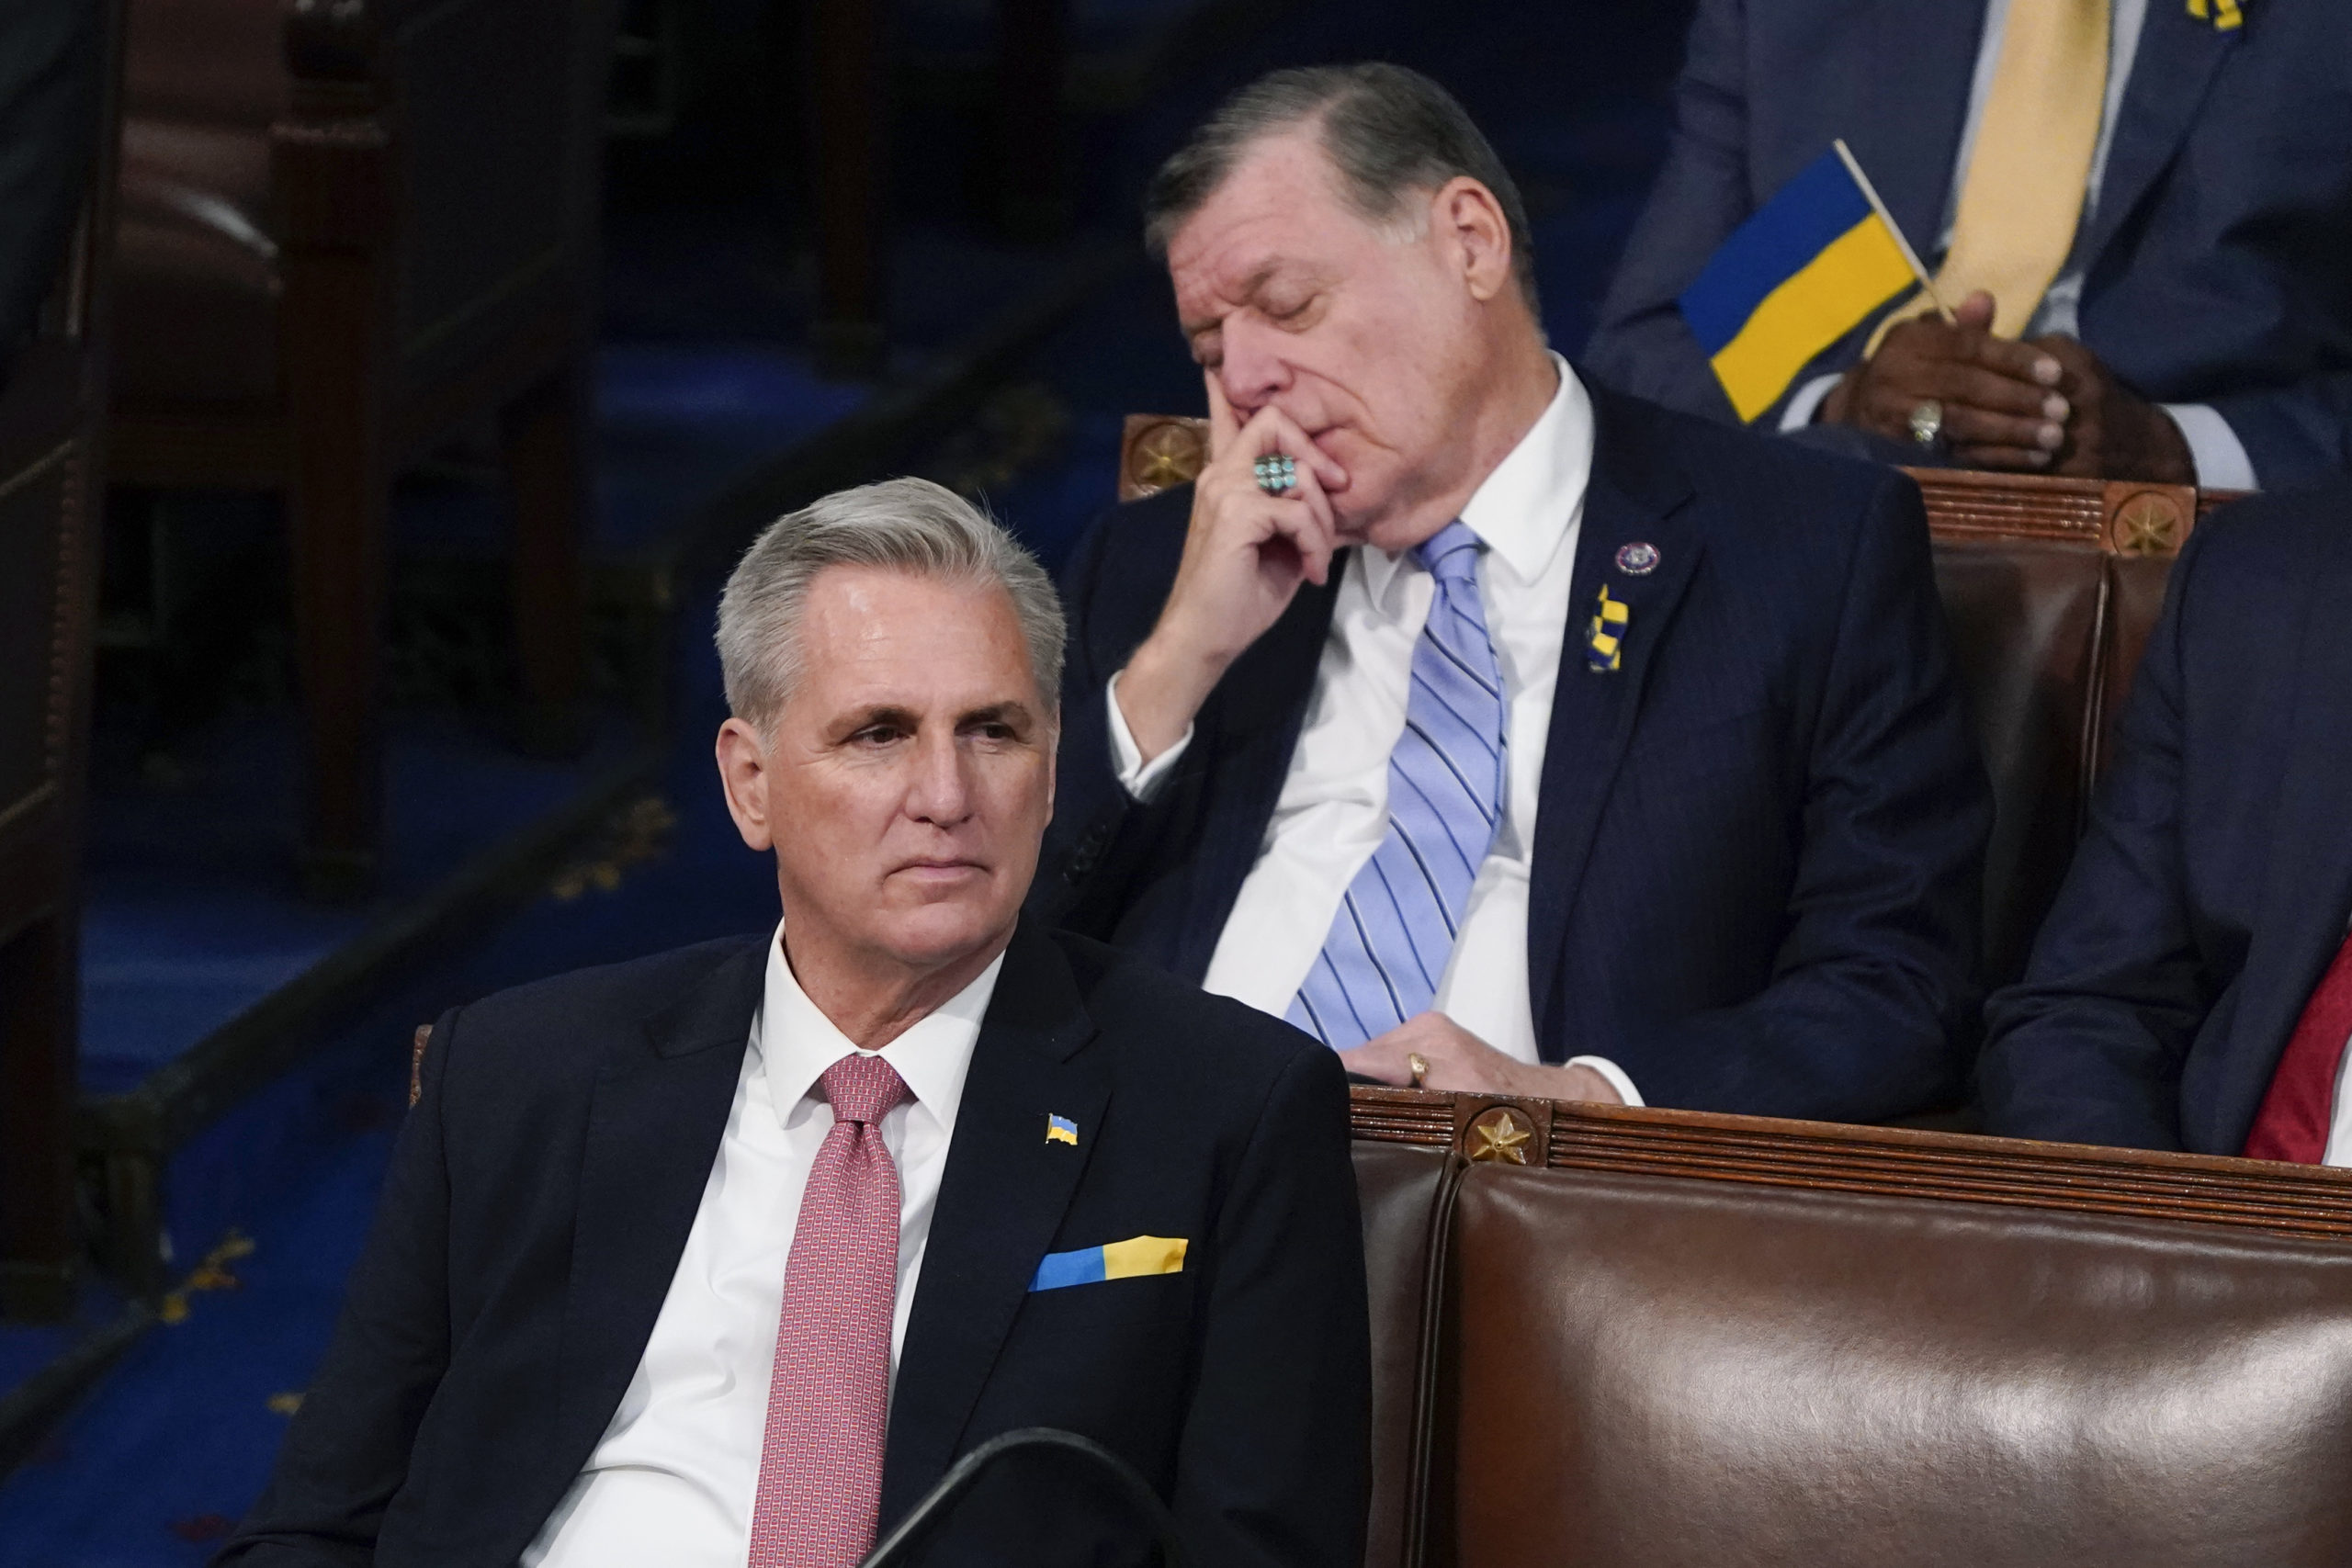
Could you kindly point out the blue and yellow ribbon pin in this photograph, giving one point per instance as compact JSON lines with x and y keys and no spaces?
{"x":1604,"y":645}
{"x":1060,"y":1130}
{"x":1113,"y":1260}
{"x":2225,"y":15}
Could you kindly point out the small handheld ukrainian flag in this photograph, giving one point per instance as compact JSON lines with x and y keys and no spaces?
{"x":1800,"y":273}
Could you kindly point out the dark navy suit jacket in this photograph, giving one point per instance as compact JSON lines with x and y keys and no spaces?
{"x":2216,"y":255}
{"x":2213,"y":887}
{"x":545,"y":1183}
{"x":1758,"y":843}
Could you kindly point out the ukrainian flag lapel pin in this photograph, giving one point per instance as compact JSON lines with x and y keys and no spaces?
{"x":1604,"y":651}
{"x":1060,"y":1130}
{"x":2225,"y":15}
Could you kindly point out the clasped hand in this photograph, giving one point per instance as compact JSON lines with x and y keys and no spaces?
{"x":2045,"y":405}
{"x":1459,"y":1061}
{"x":1246,"y":553}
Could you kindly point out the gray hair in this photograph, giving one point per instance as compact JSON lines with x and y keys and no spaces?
{"x":909,"y":525}
{"x":1386,"y":129}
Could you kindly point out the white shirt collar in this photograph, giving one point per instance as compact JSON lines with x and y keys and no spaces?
{"x":795,"y":1042}
{"x":1522,"y":511}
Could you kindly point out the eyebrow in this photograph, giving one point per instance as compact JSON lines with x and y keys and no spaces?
{"x":1011,"y":710}
{"x":1250,"y":290}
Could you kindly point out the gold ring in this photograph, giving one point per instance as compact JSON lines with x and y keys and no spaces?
{"x":1420,"y":1065}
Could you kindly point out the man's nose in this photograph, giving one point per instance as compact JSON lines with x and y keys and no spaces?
{"x":939,"y":793}
{"x":1252,"y":369}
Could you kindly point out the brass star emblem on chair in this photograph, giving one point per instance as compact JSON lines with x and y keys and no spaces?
{"x":1168,"y":454}
{"x":1499,"y":1135}
{"x":2147,"y":524}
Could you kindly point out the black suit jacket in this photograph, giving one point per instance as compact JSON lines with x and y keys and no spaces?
{"x":2214,"y":884}
{"x":1758,"y":843}
{"x":543,"y":1188}
{"x":2214,"y":258}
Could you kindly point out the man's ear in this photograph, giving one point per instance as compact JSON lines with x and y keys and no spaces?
{"x":743,"y":775}
{"x":1053,"y":756}
{"x":1465,"y":214}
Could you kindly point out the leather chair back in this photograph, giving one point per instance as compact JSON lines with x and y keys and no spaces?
{"x":1655,"y":1372}
{"x":1658,"y":1339}
{"x":1403,"y":1190}
{"x":2028,"y":624}
{"x":207,"y":61}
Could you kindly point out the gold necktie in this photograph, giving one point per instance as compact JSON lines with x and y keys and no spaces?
{"x":2030,"y":166}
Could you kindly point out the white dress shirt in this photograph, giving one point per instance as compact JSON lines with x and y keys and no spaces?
{"x":673,"y":1477}
{"x":1333,"y":809}
{"x":2339,"y":1121}
{"x":2220,"y":457}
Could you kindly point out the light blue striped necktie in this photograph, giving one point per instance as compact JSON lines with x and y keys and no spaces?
{"x":1389,"y":943}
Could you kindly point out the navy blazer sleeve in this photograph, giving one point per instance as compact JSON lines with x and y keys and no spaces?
{"x":347,"y":1451}
{"x":2296,"y":434}
{"x":2088,"y":1047}
{"x":1641,"y":344}
{"x":1873,"y":985}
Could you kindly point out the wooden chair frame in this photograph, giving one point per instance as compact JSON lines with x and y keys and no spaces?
{"x":51,"y":445}
{"x":371,"y":377}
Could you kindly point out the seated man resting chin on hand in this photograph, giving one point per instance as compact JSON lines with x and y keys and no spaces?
{"x":729,"y":1254}
{"x":1503,"y":732}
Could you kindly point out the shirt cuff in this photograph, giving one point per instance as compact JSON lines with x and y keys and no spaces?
{"x":1141,"y":780}
{"x":1614,"y":1074}
{"x":2213,"y":446}
{"x":1800,"y":413}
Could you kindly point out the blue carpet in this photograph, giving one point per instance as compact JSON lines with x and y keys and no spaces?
{"x":177,"y":1439}
{"x":191,"y":914}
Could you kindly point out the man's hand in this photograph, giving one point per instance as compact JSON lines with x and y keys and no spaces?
{"x":1460,"y":1060}
{"x":1245,"y":556}
{"x":2004,"y":403}
{"x":2114,"y":434}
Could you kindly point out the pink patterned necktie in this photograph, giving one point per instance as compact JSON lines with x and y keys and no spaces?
{"x":821,"y":1464}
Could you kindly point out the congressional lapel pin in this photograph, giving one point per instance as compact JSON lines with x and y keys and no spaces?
{"x":1637,"y":559}
{"x":1060,"y":1130}
{"x":2225,"y":15}
{"x":1604,"y":645}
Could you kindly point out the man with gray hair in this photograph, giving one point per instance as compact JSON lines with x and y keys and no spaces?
{"x":1506,"y":733}
{"x":729,"y":1254}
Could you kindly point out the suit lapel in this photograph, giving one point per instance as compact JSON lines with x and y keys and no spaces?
{"x":658,"y":1112}
{"x":1262,"y":706}
{"x":1001,"y":1200}
{"x":1633,"y":499}
{"x":2307,"y":890}
{"x":1914,"y":77}
{"x":2177,"y":57}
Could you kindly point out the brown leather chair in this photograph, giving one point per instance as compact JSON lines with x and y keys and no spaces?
{"x":2052,"y":586}
{"x":346,"y":229}
{"x":52,"y":409}
{"x":1661,"y":1338}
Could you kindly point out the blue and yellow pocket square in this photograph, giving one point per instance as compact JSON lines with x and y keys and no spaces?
{"x":1113,"y":1261}
{"x":1604,"y":644}
{"x":2225,"y":15}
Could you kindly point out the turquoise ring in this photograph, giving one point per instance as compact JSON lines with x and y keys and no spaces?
{"x":1276,"y":475}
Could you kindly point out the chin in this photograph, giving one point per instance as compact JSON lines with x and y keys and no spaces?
{"x":943,"y":933}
